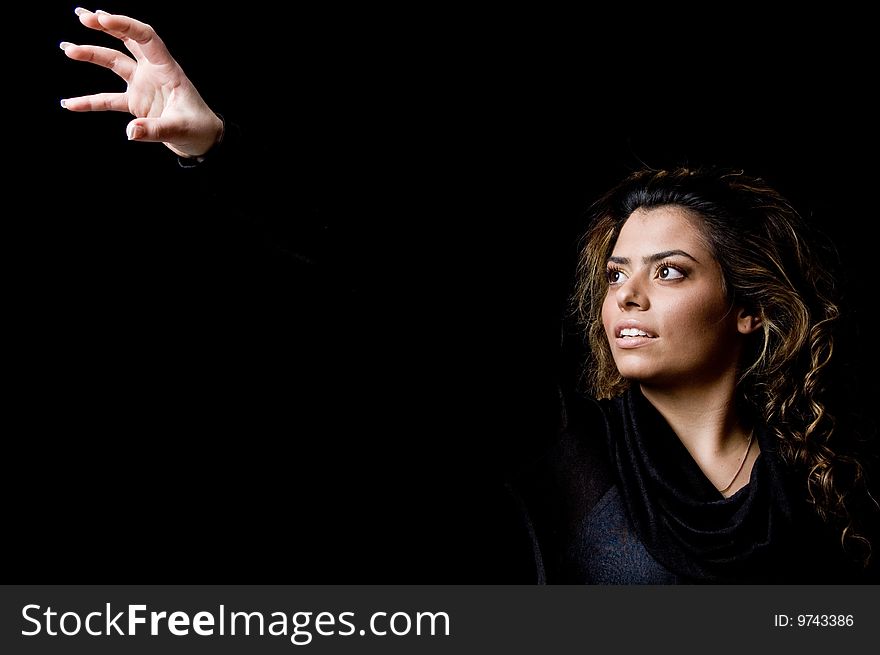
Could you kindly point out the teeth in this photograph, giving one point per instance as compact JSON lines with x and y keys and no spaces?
{"x":633,"y":332}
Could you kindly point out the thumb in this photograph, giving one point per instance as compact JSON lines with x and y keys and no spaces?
{"x":151,"y":129}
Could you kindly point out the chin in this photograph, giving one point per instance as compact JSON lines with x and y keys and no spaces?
{"x":636,"y":371}
{"x":637,"y":379}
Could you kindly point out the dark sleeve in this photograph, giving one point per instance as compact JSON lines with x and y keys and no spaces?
{"x":275,"y":201}
{"x":556,"y":492}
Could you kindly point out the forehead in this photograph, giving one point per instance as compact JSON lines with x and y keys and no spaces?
{"x":659,"y":229}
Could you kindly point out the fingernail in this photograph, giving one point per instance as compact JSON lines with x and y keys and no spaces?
{"x":64,"y":104}
{"x":101,"y":11}
{"x":79,"y":11}
{"x":65,"y":44}
{"x":134,"y":131}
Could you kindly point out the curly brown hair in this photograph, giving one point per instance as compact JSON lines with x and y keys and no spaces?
{"x":772,"y":263}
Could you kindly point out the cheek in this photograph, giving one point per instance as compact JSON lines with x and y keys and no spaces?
{"x":698,"y":318}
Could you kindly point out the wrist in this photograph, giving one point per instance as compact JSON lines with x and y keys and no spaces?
{"x":218,"y":128}
{"x":216,"y":131}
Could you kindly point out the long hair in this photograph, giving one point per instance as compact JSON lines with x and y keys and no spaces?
{"x":772,"y":263}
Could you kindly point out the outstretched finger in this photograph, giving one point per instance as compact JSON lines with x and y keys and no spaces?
{"x":89,"y":19}
{"x":97,"y":102}
{"x":121,"y":64}
{"x":124,"y":28}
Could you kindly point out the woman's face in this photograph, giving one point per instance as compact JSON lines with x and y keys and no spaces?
{"x":666,"y":316}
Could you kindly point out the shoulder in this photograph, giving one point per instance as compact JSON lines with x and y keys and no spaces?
{"x":577,"y":457}
{"x":559,"y":488}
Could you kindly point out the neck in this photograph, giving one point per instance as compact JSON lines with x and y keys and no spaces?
{"x":703,"y":416}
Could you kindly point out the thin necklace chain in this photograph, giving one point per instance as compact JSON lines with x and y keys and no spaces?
{"x":741,"y":464}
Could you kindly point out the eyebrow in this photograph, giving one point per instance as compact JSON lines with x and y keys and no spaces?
{"x":656,"y":257}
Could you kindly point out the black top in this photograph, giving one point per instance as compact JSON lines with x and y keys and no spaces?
{"x":619,"y":500}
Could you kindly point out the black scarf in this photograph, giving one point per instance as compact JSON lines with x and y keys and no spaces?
{"x":684,"y":521}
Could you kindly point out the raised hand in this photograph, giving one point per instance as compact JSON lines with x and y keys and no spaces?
{"x":166,"y":105}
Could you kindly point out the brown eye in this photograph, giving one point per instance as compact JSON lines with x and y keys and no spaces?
{"x":615,"y":276}
{"x":669,"y":273}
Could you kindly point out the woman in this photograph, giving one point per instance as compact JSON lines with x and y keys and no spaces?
{"x":712,"y":453}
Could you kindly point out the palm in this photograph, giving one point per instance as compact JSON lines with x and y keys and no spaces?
{"x":149,"y":93}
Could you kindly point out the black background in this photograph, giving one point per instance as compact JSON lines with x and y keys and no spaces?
{"x":197,"y":404}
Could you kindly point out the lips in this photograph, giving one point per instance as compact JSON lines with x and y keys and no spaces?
{"x":633,"y":334}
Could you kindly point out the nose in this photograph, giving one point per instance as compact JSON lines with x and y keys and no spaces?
{"x":631,"y":295}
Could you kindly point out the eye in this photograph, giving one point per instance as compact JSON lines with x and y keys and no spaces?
{"x":669,"y":272}
{"x":615,"y":276}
